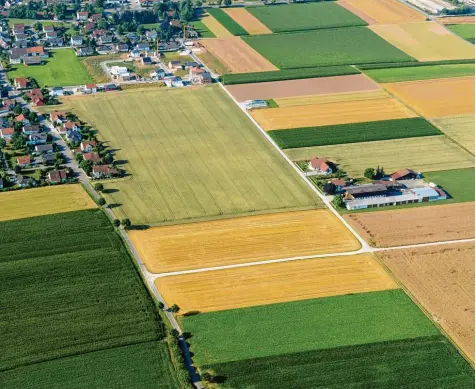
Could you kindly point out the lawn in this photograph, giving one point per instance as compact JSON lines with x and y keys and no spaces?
{"x":413,"y":73}
{"x":309,"y":16}
{"x":353,"y":133}
{"x":191,"y":154}
{"x":465,"y":31}
{"x":63,"y":68}
{"x":342,"y":46}
{"x":459,"y":183}
{"x":30,"y":22}
{"x":93,"y":66}
{"x":227,"y":21}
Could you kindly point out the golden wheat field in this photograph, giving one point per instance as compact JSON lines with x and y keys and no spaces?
{"x":240,"y":240}
{"x":458,"y":128}
{"x":215,"y":27}
{"x":43,"y":201}
{"x":248,"y":21}
{"x":331,"y":98}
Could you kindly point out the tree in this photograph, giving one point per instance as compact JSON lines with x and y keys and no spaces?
{"x":329,"y":188}
{"x":161,"y":305}
{"x":37,"y":26}
{"x":116,"y":223}
{"x":3,"y":143}
{"x":369,"y":173}
{"x":338,"y":201}
{"x":108,"y":158}
{"x":17,"y":109}
{"x":79,"y":157}
{"x":99,"y":187}
{"x":227,"y":3}
{"x":126,"y":222}
{"x":101,"y":201}
{"x":379,"y":173}
{"x":174,"y":308}
{"x":18,"y":141}
{"x":17,"y":169}
{"x":86,"y":166}
{"x":140,"y":29}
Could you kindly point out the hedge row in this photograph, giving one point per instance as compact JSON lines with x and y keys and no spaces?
{"x":412,"y":64}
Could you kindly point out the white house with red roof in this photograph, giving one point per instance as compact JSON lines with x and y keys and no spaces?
{"x":320,"y":166}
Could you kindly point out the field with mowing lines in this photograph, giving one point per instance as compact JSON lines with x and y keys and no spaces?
{"x":437,"y":98}
{"x":274,"y":283}
{"x":405,"y":226}
{"x":332,"y":98}
{"x":459,"y":128}
{"x":353,"y":133}
{"x":239,"y":240}
{"x":43,"y":201}
{"x":442,"y":280}
{"x":382,"y":12}
{"x":328,"y":114}
{"x":246,"y":20}
{"x":237,"y":56}
{"x":413,"y":73}
{"x":429,"y":153}
{"x":308,"y":16}
{"x":457,"y":20}
{"x":231,"y":25}
{"x":459,"y":183}
{"x":341,"y":46}
{"x":425,"y":41}
{"x":215,"y":27}
{"x":308,"y":86}
{"x":173,"y":142}
{"x":465,"y":31}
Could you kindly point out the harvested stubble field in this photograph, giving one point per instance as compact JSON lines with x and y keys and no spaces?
{"x":328,"y":114}
{"x":237,"y":56}
{"x":308,"y":16}
{"x":215,"y":27}
{"x":246,"y":20}
{"x":191,"y":154}
{"x":341,"y":46}
{"x":437,"y":98}
{"x":382,"y":11}
{"x":459,"y":128}
{"x":244,"y":239}
{"x":227,"y":21}
{"x":442,"y":280}
{"x":309,"y":86}
{"x":274,"y":283}
{"x":425,"y":41}
{"x":332,"y":98}
{"x":43,"y":201}
{"x":405,"y":226}
{"x":457,"y":20}
{"x":429,"y":153}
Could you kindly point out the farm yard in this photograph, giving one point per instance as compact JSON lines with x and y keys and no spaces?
{"x":441,"y":279}
{"x":191,"y":154}
{"x":274,"y":283}
{"x":241,"y":240}
{"x":405,"y":226}
{"x":38,"y":201}
{"x":425,"y":41}
{"x":458,"y":128}
{"x":437,"y":98}
{"x":246,"y":20}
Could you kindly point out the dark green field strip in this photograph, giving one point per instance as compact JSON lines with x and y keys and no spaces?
{"x":353,"y":133}
{"x":277,"y":329}
{"x":387,"y":65}
{"x":288,"y":74}
{"x":421,"y":363}
{"x":309,"y":16}
{"x":140,"y":366}
{"x":227,"y":21}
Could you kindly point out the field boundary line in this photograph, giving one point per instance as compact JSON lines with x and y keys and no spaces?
{"x":449,"y":137}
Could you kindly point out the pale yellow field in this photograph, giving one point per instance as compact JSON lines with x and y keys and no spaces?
{"x":429,"y":153}
{"x":425,"y":41}
{"x":326,"y":114}
{"x":247,"y":21}
{"x":43,"y":201}
{"x":216,"y":27}
{"x":331,"y":98}
{"x":437,"y":98}
{"x":382,"y":11}
{"x":459,"y":128}
{"x":240,"y":240}
{"x":275,"y":283}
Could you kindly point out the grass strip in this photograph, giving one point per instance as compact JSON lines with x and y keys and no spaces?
{"x":227,"y":21}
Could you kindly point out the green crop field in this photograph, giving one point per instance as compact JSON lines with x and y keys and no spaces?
{"x":191,"y":154}
{"x":76,"y":294}
{"x":287,"y":74}
{"x":63,"y":68}
{"x":202,"y":30}
{"x":310,"y":16}
{"x":352,"y":133}
{"x":342,"y":46}
{"x":227,"y":21}
{"x":459,"y":183}
{"x":413,"y":73}
{"x":465,"y":31}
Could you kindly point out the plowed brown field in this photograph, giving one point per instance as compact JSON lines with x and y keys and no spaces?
{"x":244,"y":239}
{"x":247,"y":21}
{"x":437,"y":98}
{"x":308,"y":86}
{"x":237,"y":56}
{"x":411,"y":226}
{"x":457,"y":20}
{"x":442,"y":280}
{"x":275,"y":283}
{"x":382,"y":11}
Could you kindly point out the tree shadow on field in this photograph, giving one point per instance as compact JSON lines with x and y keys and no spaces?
{"x":139,"y":227}
{"x":187,"y":335}
{"x":119,"y":162}
{"x":110,"y":190}
{"x":114,"y":205}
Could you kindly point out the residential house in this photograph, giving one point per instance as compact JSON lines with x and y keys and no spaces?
{"x":48,"y":28}
{"x":57,"y":176}
{"x":31,"y":130}
{"x":30,"y":61}
{"x":90,"y":88}
{"x":18,"y":28}
{"x":55,"y":42}
{"x":8,"y":104}
{"x":58,"y":117}
{"x":151,"y":35}
{"x":199,"y":76}
{"x":21,"y":82}
{"x":76,"y":40}
{"x":69,"y":126}
{"x":82,"y":16}
{"x":57,"y":91}
{"x":404,"y":174}
{"x":134,"y":54}
{"x":174,"y":82}
{"x":88,"y":27}
{"x":5,"y":41}
{"x":17,"y":55}
{"x":36,"y":51}
{"x":191,"y":64}
{"x":7,"y":134}
{"x":44,"y":149}
{"x":26,"y":182}
{"x":103,"y":171}
{"x":320,"y":166}
{"x":146,"y":61}
{"x":144,"y":47}
{"x":21,"y":37}
{"x":95,"y":18}
{"x":84,"y":51}
{"x":122,"y":47}
{"x":93,"y":157}
{"x":174,"y":65}
{"x":22,"y":119}
{"x":87,"y":146}
{"x":104,"y":50}
{"x":24,"y":161}
{"x":104,"y":39}
{"x":158,"y":74}
{"x":20,"y":44}
{"x":73,"y":136}
{"x":36,"y":139}
{"x":36,"y":97}
{"x":110,"y":87}
{"x":51,"y":35}
{"x":48,"y":159}
{"x":339,"y":184}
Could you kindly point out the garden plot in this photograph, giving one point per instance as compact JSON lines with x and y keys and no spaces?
{"x":382,"y":11}
{"x":247,"y":21}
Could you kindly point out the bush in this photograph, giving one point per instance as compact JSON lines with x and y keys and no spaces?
{"x":116,"y":223}
{"x":99,"y":187}
{"x":101,"y":201}
{"x":338,"y":201}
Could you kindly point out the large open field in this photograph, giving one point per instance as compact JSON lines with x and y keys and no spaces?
{"x":342,"y":46}
{"x":459,"y":128}
{"x":308,"y":86}
{"x":43,"y":201}
{"x":245,"y":239}
{"x":215,"y":27}
{"x":62,"y":68}
{"x":465,"y":31}
{"x":327,"y":114}
{"x":382,"y":12}
{"x":405,"y":226}
{"x":437,"y":98}
{"x":309,"y":16}
{"x":425,"y":41}
{"x":429,"y":153}
{"x":274,"y":283}
{"x":457,"y":20}
{"x":442,"y":280}
{"x":191,"y":154}
{"x":237,"y":56}
{"x":332,"y":98}
{"x":246,"y":20}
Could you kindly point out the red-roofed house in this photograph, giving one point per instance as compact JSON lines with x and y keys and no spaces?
{"x":103,"y":171}
{"x":82,"y":15}
{"x":339,"y":183}
{"x":88,"y":146}
{"x":57,"y":176}
{"x":93,"y":157}
{"x":69,"y":126}
{"x":21,"y":118}
{"x":24,"y":161}
{"x":404,"y":174}
{"x":90,"y":88}
{"x":320,"y":166}
{"x":21,"y":82}
{"x":6,"y":134}
{"x":58,"y":117}
{"x":36,"y":51}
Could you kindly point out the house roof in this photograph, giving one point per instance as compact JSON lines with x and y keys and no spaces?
{"x":401,"y":173}
{"x":21,"y":81}
{"x":57,"y":175}
{"x":24,"y":160}
{"x":55,"y":115}
{"x":43,"y":147}
{"x":319,"y":163}
{"x":104,"y":169}
{"x":33,"y":128}
{"x":338,"y":181}
{"x":31,"y":60}
{"x":93,"y":157}
{"x":20,"y":118}
{"x":366,"y":188}
{"x":90,"y":86}
{"x":36,"y":49}
{"x":88,"y":143}
{"x":70,"y":125}
{"x":7,"y":131}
